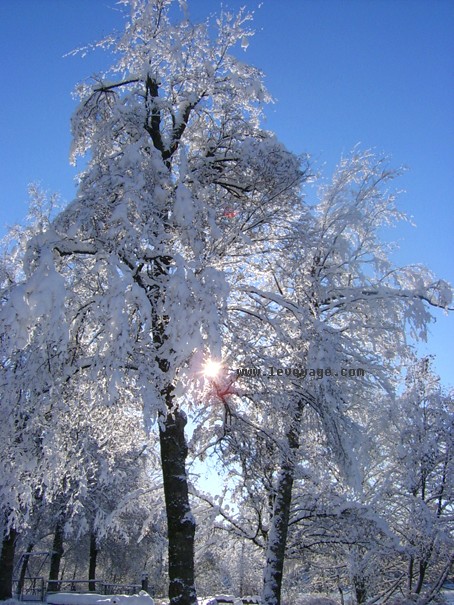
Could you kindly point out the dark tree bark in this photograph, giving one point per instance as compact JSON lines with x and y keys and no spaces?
{"x":180,"y":522}
{"x":423,"y":564}
{"x":174,"y":451}
{"x":277,"y":536}
{"x":7,"y":565}
{"x":410,"y":573}
{"x":23,"y":570}
{"x":93,"y":556}
{"x":277,"y":539}
{"x":57,"y":554}
{"x":360,"y":590}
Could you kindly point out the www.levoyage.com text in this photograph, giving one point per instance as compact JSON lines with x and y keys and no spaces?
{"x":316,"y":373}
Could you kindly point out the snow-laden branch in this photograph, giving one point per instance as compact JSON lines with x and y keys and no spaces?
{"x":241,"y":531}
{"x":441,"y":297}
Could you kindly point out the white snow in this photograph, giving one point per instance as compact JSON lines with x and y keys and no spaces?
{"x":61,"y":598}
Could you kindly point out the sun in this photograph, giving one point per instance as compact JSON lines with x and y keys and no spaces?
{"x":212,"y":368}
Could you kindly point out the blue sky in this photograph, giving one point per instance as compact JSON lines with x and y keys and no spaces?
{"x":375,"y":72}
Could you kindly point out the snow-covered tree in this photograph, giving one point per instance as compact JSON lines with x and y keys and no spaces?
{"x":62,"y":457}
{"x":331,"y":301}
{"x":188,"y":240}
{"x":23,"y":466}
{"x":419,"y":478}
{"x":384,"y":539}
{"x":128,"y":282}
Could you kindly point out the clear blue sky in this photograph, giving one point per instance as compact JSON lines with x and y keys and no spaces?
{"x":378,"y":72}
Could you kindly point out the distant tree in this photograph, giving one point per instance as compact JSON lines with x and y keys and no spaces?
{"x":23,"y":464}
{"x":66,"y":463}
{"x":384,"y":539}
{"x":419,"y":480}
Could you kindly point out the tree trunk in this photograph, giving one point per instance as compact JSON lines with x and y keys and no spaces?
{"x":180,"y":522}
{"x":341,"y":592}
{"x":7,"y":565}
{"x":92,"y":562}
{"x":23,"y":570}
{"x":360,"y":590}
{"x":57,"y":554}
{"x":277,"y":536}
{"x":422,"y":574}
{"x":174,"y":450}
{"x":242,"y":570}
{"x":410,"y":573}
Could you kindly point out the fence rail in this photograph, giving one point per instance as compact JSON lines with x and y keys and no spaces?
{"x":34,"y":588}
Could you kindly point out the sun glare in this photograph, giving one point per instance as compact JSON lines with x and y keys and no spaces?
{"x":212,"y":368}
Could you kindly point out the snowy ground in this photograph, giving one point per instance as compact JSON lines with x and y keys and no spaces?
{"x":141,"y":599}
{"x":448,"y":596}
{"x":63,"y":598}
{"x":228,"y":599}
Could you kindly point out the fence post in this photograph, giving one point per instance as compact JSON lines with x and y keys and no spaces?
{"x":145,"y":581}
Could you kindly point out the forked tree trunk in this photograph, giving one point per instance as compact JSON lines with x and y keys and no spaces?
{"x":7,"y":564}
{"x":57,"y":554}
{"x":180,"y":522}
{"x":93,"y":556}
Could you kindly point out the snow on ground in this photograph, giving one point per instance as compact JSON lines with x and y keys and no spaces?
{"x":141,"y":599}
{"x":63,"y":598}
{"x":221,"y":599}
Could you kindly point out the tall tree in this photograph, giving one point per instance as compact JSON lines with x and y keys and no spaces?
{"x":181,"y":179}
{"x":331,"y":301}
